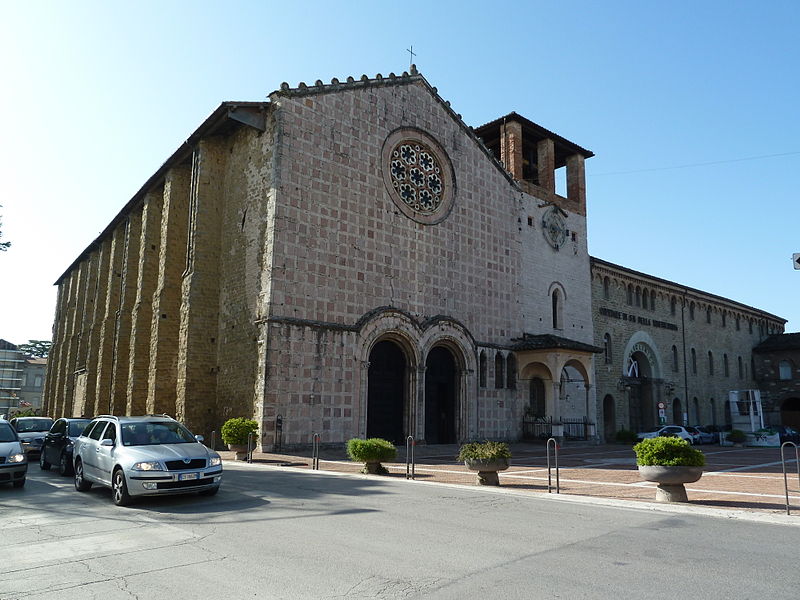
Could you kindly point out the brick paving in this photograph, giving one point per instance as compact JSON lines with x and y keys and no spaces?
{"x":744,"y":479}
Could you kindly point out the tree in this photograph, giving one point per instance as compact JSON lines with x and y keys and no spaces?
{"x":3,"y":245}
{"x":37,"y":348}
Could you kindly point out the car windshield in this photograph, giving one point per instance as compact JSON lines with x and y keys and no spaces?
{"x":152,"y":433}
{"x":77,"y":427}
{"x":26,"y":425}
{"x":6,"y":433}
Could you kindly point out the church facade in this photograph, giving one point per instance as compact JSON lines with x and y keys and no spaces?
{"x":349,"y":259}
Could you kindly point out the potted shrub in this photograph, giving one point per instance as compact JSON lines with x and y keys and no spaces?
{"x":670,"y":462}
{"x":235,"y":433}
{"x":736,"y":437}
{"x":372,"y":452}
{"x":486,"y":458}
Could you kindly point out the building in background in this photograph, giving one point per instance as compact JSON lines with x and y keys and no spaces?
{"x":11,"y":361}
{"x":777,"y":371}
{"x":32,"y":389}
{"x":671,"y":353}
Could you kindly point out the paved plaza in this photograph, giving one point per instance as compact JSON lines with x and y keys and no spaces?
{"x":734,"y":479}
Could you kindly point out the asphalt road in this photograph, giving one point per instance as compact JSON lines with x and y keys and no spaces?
{"x":279,"y":533}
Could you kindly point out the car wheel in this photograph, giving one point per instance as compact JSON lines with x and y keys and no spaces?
{"x":43,"y":464}
{"x":119,"y":489}
{"x":63,"y":465}
{"x":80,"y":483}
{"x":210,"y":492}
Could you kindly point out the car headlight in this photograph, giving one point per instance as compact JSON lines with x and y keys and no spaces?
{"x":215,"y":461}
{"x":17,"y":458}
{"x":147,"y":466}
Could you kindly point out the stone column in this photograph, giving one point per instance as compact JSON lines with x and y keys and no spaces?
{"x":142,"y":315}
{"x":199,"y":309}
{"x":546,"y":164}
{"x":95,"y":330}
{"x":161,"y":389}
{"x":576,"y":181}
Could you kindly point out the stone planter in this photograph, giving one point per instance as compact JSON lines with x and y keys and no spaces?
{"x":670,"y":480}
{"x":240,"y":450}
{"x":487,"y":469}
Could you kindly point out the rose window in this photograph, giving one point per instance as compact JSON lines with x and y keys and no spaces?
{"x":416,"y":176}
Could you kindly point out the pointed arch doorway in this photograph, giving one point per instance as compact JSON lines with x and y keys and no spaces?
{"x":441,"y":393}
{"x":386,"y":392}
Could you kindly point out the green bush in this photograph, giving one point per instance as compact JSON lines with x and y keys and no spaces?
{"x":625,"y":436}
{"x":370,"y":450}
{"x":235,"y":431}
{"x":668,"y":452}
{"x":736,"y":436}
{"x":484,"y":451}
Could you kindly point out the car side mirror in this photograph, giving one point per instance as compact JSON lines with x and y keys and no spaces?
{"x":107,"y":442}
{"x":199,"y":438}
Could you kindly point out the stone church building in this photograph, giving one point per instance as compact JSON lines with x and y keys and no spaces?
{"x":351,"y":257}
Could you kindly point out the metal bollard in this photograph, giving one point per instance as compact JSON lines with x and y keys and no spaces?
{"x":278,"y":433}
{"x":250,"y":445}
{"x":410,"y":443}
{"x":783,"y":463}
{"x":214,"y":440}
{"x":315,"y":439}
{"x":549,"y":477}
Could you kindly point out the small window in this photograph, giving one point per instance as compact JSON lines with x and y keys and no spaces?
{"x":675,"y":359}
{"x":672,"y":305}
{"x":557,"y":309}
{"x":724,"y":320}
{"x":629,"y":297}
{"x":37,"y":381}
{"x":653,"y":300}
{"x":530,"y":221}
{"x":511,"y":372}
{"x":710,"y":363}
{"x":750,"y":326}
{"x":694,"y":362}
{"x":691,"y":311}
{"x":645,"y":298}
{"x":606,"y":290}
{"x":725,"y":366}
{"x":482,"y":373}
{"x":785,"y":370}
{"x":607,"y":349}
{"x":708,"y":315}
{"x":738,"y":324}
{"x":638,"y":296}
{"x":739,"y":363}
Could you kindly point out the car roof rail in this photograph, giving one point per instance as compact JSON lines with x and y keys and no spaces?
{"x":160,"y":415}
{"x":107,"y":417}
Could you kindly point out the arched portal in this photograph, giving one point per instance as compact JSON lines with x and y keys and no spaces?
{"x":677,"y":411}
{"x":641,"y":402}
{"x":441,"y":392}
{"x":790,"y":413}
{"x":609,"y":418}
{"x":386,"y":392}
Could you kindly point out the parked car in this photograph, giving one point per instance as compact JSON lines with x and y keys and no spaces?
{"x":58,"y":444}
{"x":667,"y":430}
{"x":787,"y":434}
{"x":31,"y":432}
{"x":13,"y":462}
{"x":705,"y":436}
{"x":144,"y":456}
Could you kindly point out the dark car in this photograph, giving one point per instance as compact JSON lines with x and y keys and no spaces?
{"x":13,"y":464}
{"x":57,"y":448}
{"x":787,"y":434}
{"x":31,"y":431}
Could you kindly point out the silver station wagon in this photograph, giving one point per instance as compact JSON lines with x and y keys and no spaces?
{"x":144,"y":456}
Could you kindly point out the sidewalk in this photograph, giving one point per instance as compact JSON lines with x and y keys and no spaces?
{"x":741,"y":479}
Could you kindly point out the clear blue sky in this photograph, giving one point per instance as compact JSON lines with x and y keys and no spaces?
{"x":690,"y":107}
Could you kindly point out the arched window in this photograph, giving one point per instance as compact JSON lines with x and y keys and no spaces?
{"x":607,"y":349}
{"x":738,"y":324}
{"x":691,"y":311}
{"x":752,"y":368}
{"x":724,"y":319}
{"x":629,"y":297}
{"x":750,"y":326}
{"x":606,"y":286}
{"x":653,"y":300}
{"x":482,"y":372}
{"x":694,"y":362}
{"x":713,"y":411}
{"x":785,"y":370}
{"x":696,"y":406}
{"x":557,"y":309}
{"x":725,"y":366}
{"x":672,"y":306}
{"x":708,"y":315}
{"x":710,"y":363}
{"x":511,"y":372}
{"x":675,"y":359}
{"x":499,"y":376}
{"x":741,"y":370}
{"x":645,"y":297}
{"x":638,"y":296}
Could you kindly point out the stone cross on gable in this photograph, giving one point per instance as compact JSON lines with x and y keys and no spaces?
{"x":412,"y":55}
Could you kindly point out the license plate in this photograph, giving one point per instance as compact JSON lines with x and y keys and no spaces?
{"x":187,"y":476}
